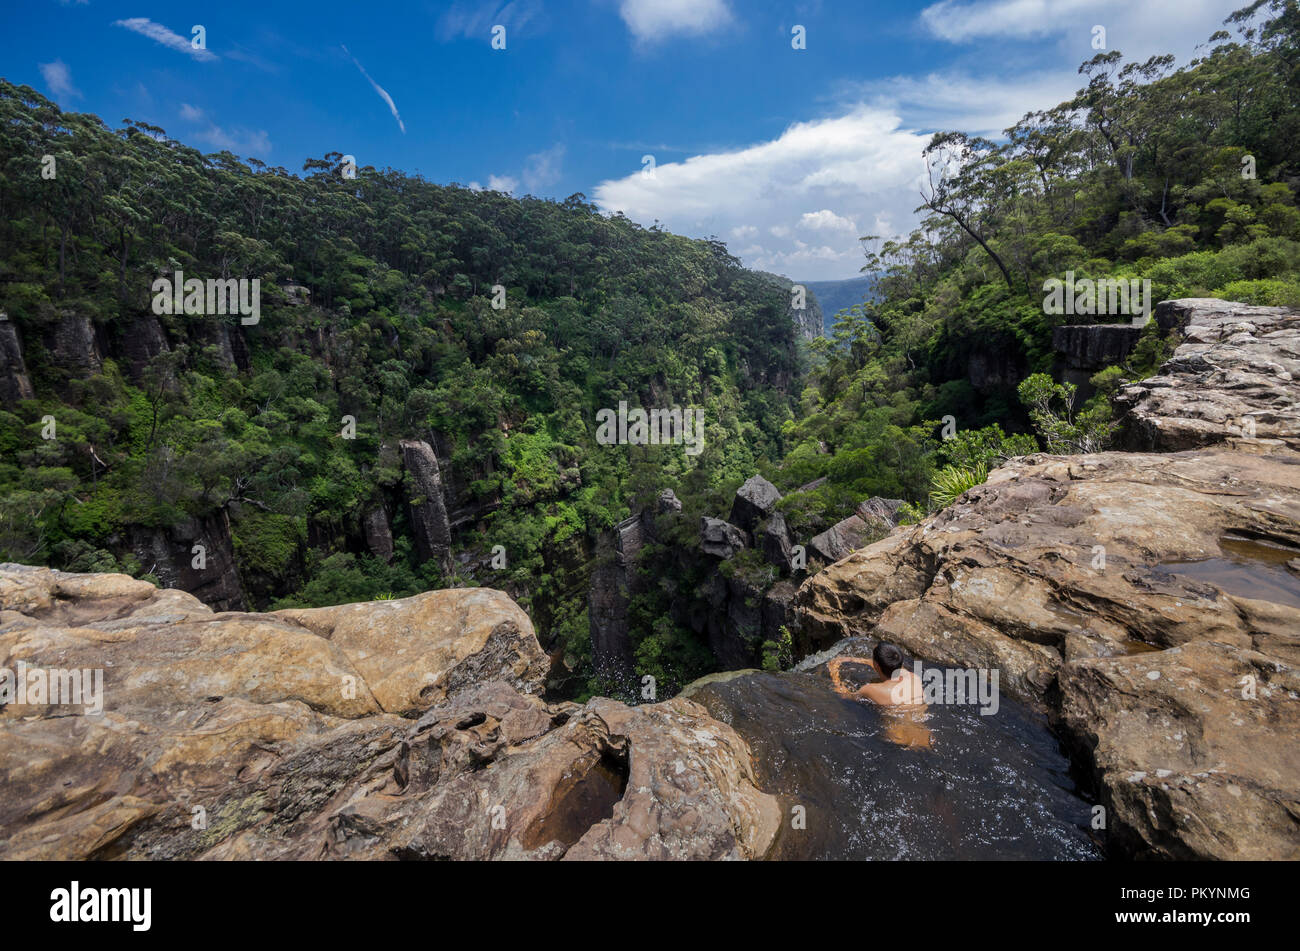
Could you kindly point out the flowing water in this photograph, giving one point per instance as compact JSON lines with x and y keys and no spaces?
{"x":985,"y":787}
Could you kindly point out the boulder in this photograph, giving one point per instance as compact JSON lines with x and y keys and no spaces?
{"x":774,"y":541}
{"x":755,"y":501}
{"x":668,"y":502}
{"x":845,"y":537}
{"x":721,"y":539}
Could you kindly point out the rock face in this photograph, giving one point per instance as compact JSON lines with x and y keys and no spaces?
{"x":1146,"y":601}
{"x":1233,"y":377}
{"x":14,"y":382}
{"x":427,"y":506}
{"x":808,"y":319}
{"x":613,"y":583}
{"x":1093,"y":346}
{"x":195,"y":555}
{"x":378,"y":533}
{"x":142,"y":339}
{"x":73,"y":345}
{"x":402,"y":729}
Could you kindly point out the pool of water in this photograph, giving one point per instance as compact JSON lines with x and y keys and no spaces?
{"x":1250,"y":569}
{"x":969,"y":786}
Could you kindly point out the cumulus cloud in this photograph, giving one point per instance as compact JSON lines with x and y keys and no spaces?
{"x":860,"y":166}
{"x":827,"y":220}
{"x":383,"y":93}
{"x":58,"y":78}
{"x":160,"y":34}
{"x":500,"y":183}
{"x":651,"y":20}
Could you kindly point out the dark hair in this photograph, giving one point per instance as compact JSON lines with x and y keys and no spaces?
{"x":888,"y":658}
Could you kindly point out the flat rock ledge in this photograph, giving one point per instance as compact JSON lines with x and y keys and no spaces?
{"x":391,"y":730}
{"x":1235,"y":377}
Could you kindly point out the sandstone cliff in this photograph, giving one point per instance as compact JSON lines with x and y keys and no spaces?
{"x":396,"y":729}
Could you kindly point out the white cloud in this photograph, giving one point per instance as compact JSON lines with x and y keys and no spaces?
{"x":160,"y":34}
{"x":980,"y":105}
{"x":501,"y":183}
{"x":1138,"y":29}
{"x":240,"y":141}
{"x":651,"y":20}
{"x":827,"y":220}
{"x":542,"y":169}
{"x":474,"y":21}
{"x":855,"y":167}
{"x":59,"y":78}
{"x":383,"y":93}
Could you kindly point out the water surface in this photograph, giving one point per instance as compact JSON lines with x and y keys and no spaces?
{"x":988,"y":787}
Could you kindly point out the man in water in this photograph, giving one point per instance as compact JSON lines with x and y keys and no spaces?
{"x":898,"y":688}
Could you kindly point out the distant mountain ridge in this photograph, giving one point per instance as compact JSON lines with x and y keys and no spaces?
{"x":835,"y":296}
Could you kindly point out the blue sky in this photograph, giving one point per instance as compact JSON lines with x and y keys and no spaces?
{"x":787,"y":155}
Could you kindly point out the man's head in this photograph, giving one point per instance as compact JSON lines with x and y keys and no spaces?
{"x":888,"y":659}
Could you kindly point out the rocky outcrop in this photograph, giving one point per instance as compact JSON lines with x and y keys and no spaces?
{"x":402,"y":729}
{"x":613,"y":583}
{"x":142,"y":340}
{"x":428,"y":509}
{"x":196,"y":555}
{"x":775,"y":542}
{"x":15,"y":385}
{"x":73,"y":345}
{"x":721,"y":539}
{"x":1083,"y":349}
{"x":845,"y":536}
{"x":755,"y":500}
{"x":1232,"y":378}
{"x":807,"y":319}
{"x":378,"y":533}
{"x":1150,"y":603}
{"x":1090,"y":347}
